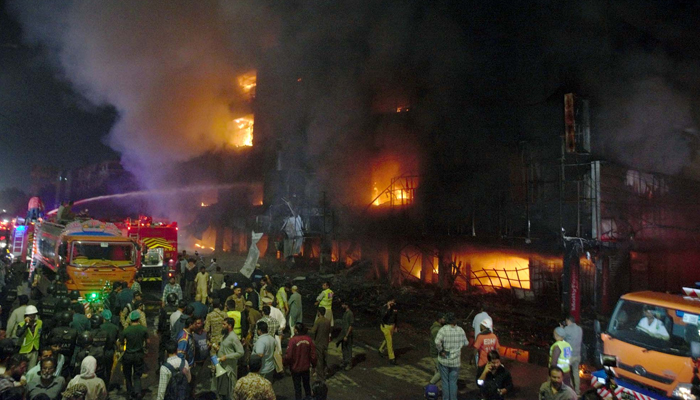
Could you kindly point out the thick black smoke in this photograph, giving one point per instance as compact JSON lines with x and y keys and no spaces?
{"x":480,"y":77}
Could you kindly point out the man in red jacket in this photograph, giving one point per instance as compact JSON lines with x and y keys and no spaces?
{"x":300,"y":357}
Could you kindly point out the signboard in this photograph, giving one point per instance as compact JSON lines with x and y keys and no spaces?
{"x":569,"y":123}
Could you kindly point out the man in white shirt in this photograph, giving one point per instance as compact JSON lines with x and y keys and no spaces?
{"x":652,"y":326}
{"x":479,"y":318}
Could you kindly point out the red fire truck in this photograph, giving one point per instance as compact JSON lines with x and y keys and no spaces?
{"x":158,"y":240}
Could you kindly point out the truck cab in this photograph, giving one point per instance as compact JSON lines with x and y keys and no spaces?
{"x":651,"y":335}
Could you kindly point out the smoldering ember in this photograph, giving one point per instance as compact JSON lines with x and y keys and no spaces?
{"x":414,"y":199}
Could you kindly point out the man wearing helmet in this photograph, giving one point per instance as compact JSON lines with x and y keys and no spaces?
{"x":65,"y":336}
{"x":164,"y":324}
{"x":47,"y":308}
{"x":29,"y":334}
{"x":82,"y":348}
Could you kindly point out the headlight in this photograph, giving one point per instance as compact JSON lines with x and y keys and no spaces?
{"x":682,"y":391}
{"x":3,"y":245}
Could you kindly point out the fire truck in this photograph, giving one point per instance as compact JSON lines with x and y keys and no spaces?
{"x":158,"y":241}
{"x":86,"y":254}
{"x":5,"y":233}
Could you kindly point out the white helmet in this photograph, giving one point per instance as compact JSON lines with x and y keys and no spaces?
{"x":31,"y":310}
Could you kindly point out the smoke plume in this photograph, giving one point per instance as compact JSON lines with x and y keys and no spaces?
{"x":168,"y":67}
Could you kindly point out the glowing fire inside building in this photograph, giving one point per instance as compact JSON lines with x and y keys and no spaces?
{"x":241,"y":131}
{"x":247,"y":83}
{"x":391,"y":185}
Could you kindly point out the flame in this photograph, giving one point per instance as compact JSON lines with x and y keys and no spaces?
{"x":248,"y":82}
{"x":241,"y":131}
{"x":391,"y":185}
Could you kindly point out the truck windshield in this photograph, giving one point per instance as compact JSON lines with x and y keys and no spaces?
{"x":153,"y":258}
{"x":86,"y":254}
{"x":655,"y":328}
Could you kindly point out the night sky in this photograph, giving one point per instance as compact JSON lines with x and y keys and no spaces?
{"x":42,"y":120}
{"x":81,"y":82}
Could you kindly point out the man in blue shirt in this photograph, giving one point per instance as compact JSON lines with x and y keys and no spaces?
{"x":265,"y":348}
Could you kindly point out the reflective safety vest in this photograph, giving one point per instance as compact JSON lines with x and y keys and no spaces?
{"x":30,"y":341}
{"x":281,"y":297}
{"x":564,"y":360}
{"x":236,"y":315}
{"x":327,"y":300}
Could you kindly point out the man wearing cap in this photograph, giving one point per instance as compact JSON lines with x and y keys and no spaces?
{"x":560,"y":354}
{"x":295,"y":312}
{"x":238,"y":298}
{"x":135,"y":338}
{"x":449,"y":342}
{"x":485,"y":342}
{"x":29,"y":334}
{"x":253,"y":316}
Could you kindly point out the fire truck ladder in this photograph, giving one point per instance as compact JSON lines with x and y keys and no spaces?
{"x":18,"y":243}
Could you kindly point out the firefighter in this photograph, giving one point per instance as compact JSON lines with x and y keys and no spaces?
{"x":47,"y":310}
{"x":164,"y":324}
{"x":66,"y":336}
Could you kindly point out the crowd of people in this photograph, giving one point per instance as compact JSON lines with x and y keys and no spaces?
{"x":224,"y":339}
{"x":492,"y":378}
{"x":215,"y":337}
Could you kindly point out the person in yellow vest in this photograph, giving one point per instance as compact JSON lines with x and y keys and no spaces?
{"x":29,"y":333}
{"x":560,"y":354}
{"x":283,"y":298}
{"x":325,"y":300}
{"x":231,"y":312}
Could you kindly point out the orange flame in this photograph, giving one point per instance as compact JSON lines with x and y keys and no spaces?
{"x":241,"y":131}
{"x":248,"y":82}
